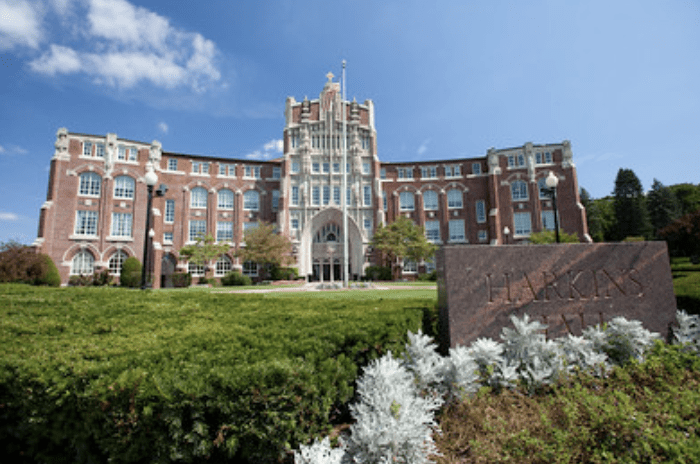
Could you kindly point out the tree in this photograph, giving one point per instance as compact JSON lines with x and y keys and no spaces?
{"x":204,"y":250}
{"x":264,"y":246}
{"x":400,"y":240}
{"x":688,"y":196}
{"x":683,"y":235}
{"x":662,"y":205}
{"x":548,"y":236}
{"x":631,"y":217}
{"x":130,"y":275}
{"x":20,"y":263}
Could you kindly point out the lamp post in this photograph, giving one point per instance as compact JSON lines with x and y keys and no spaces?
{"x":506,"y":233}
{"x":552,"y":181}
{"x":151,"y":179}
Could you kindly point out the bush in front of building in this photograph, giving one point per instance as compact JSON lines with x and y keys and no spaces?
{"x":131,"y":273}
{"x":235,"y":278}
{"x":378,"y":273}
{"x":19,"y":263}
{"x":51,"y":277}
{"x":182,"y":279}
{"x":284,"y":273}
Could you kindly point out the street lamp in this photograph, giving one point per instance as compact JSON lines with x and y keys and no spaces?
{"x":506,"y":232}
{"x":151,"y":178}
{"x":552,"y":181}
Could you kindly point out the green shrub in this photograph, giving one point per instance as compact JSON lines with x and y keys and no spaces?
{"x":428,"y":276}
{"x":284,"y":273}
{"x":20,"y":263}
{"x":378,"y":273}
{"x":52,"y":278}
{"x":235,"y":278}
{"x":102,"y":278}
{"x":131,"y":273}
{"x":80,"y":280}
{"x":182,"y":279}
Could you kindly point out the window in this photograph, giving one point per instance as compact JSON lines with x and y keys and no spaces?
{"x":454,"y":199}
{"x":121,"y":224}
{"x":367,"y":224}
{"x":432,"y":231}
{"x":366,"y":169}
{"x":133,"y":153}
{"x":198,"y":197}
{"x":521,"y":224}
{"x":548,"y":219}
{"x":83,"y":264}
{"x":276,"y":172}
{"x":225,"y":199}
{"x":195,"y":270}
{"x":480,"y":211}
{"x":348,"y":196}
{"x":116,"y":262}
{"x":382,"y":173}
{"x":252,"y":172}
{"x":406,"y":201}
{"x":409,"y":266}
{"x":224,"y":231}
{"x":86,"y":223}
{"x":365,"y":141}
{"x":169,"y":211}
{"x":384,"y":202}
{"x":336,"y":195}
{"x":249,"y":226}
{"x":172,"y":164}
{"x":295,"y":196}
{"x":326,"y":194}
{"x":430,"y":200}
{"x":90,"y":184}
{"x":516,"y":160}
{"x":168,"y":237}
{"x":223,"y":266}
{"x":275,"y":200}
{"x":543,"y":158}
{"x":227,"y":170}
{"x":205,"y":168}
{"x":124,"y":187}
{"x":544,"y":191}
{"x":483,"y":236}
{"x":295,"y":223}
{"x":367,"y":195}
{"x":429,"y":265}
{"x":453,"y":171}
{"x":518,"y":190}
{"x":100,"y":150}
{"x":326,"y":168}
{"x":250,"y":269}
{"x":476,"y":168}
{"x":456,"y":229}
{"x":295,"y":167}
{"x":198,"y":228}
{"x":251,"y":200}
{"x":315,"y":167}
{"x":315,"y":195}
{"x":336,"y":168}
{"x":200,"y":167}
{"x":428,"y":172}
{"x":87,"y":148}
{"x":405,"y":173}
{"x":121,"y":153}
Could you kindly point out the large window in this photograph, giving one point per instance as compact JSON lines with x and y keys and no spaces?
{"x":251,"y":200}
{"x":315,"y":195}
{"x":195,"y":270}
{"x":518,"y":190}
{"x":124,"y":187}
{"x":90,"y":184}
{"x":410,"y":266}
{"x":516,"y":160}
{"x":456,"y":227}
{"x":198,"y":197}
{"x":522,"y":224}
{"x":100,"y":150}
{"x":121,"y":224}
{"x":295,"y":196}
{"x":86,"y":223}
{"x":548,"y":219}
{"x":225,"y":197}
{"x":87,"y":148}
{"x":276,"y":172}
{"x":543,"y":158}
{"x":250,"y":269}
{"x":480,"y":211}
{"x":326,"y":194}
{"x":198,"y":228}
{"x":83,"y":263}
{"x":432,"y":231}
{"x":430,"y":200}
{"x":252,"y":172}
{"x":367,"y":194}
{"x":116,"y":262}
{"x":405,"y":173}
{"x":169,"y":211}
{"x":454,"y":199}
{"x":275,"y":200}
{"x":223,"y":266}
{"x":428,"y":172}
{"x":406,"y":201}
{"x":224,"y":231}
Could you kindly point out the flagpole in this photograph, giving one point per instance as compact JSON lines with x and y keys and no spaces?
{"x":346,"y":269}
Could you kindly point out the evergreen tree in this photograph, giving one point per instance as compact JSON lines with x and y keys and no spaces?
{"x":662,"y":205}
{"x":688,"y":196}
{"x":631,"y":217}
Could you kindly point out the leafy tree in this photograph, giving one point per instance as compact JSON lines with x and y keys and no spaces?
{"x":662,"y":205}
{"x":263,"y":245}
{"x":688,"y":196}
{"x":548,"y":236}
{"x":631,"y":217}
{"x":203,"y":251}
{"x":683,"y":235}
{"x":20,"y":263}
{"x":400,"y":240}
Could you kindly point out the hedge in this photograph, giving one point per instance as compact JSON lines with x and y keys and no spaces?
{"x":97,"y":374}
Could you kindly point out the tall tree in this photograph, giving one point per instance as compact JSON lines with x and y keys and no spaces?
{"x":631,"y":217}
{"x":688,"y":196}
{"x":400,"y":240}
{"x":662,"y":205}
{"x":264,"y":246}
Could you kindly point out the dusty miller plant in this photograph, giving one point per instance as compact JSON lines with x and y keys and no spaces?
{"x":423,"y":361}
{"x":621,"y":340}
{"x":320,"y":452}
{"x":688,"y":331}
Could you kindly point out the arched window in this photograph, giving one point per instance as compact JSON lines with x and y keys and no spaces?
{"x":225,"y":199}
{"x":90,"y":184}
{"x":430,"y":200}
{"x":116,"y":262}
{"x":406,"y":201}
{"x":223,"y":266}
{"x":518,"y":190}
{"x":124,"y":187}
{"x":251,"y":200}
{"x":83,"y":264}
{"x":198,"y":197}
{"x":454,"y":198}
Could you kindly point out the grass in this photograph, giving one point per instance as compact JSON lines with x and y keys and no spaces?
{"x":686,"y":284}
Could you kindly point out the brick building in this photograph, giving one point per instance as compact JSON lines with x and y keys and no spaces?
{"x":94,"y":215}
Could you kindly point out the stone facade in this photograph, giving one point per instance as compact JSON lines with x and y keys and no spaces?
{"x":94,"y":215}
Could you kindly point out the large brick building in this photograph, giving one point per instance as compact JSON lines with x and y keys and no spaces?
{"x":94,"y":215}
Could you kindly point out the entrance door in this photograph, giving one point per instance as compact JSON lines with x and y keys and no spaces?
{"x":167,"y":269}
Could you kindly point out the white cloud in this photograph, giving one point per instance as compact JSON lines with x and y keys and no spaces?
{"x":274,"y":145}
{"x":129,"y":45}
{"x":163,"y":127}
{"x":269,"y":150}
{"x":8,"y":216}
{"x":20,"y":24}
{"x":10,"y":150}
{"x":423,"y":147}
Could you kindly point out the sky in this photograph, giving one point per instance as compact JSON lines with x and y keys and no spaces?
{"x":449,"y":79}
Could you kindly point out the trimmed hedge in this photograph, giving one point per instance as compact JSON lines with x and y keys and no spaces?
{"x":98,"y":374}
{"x":235,"y":278}
{"x":131,"y":273}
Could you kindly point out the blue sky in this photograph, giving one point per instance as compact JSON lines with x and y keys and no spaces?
{"x":449,"y":79}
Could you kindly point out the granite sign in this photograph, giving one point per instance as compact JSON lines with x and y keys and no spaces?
{"x":568,"y":287}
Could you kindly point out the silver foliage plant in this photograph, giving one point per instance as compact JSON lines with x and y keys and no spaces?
{"x":394,"y":417}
